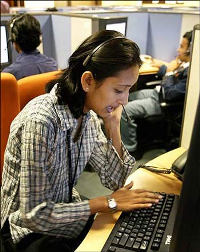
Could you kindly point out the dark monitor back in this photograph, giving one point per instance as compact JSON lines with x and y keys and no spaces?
{"x":186,"y":233}
{"x":6,"y":54}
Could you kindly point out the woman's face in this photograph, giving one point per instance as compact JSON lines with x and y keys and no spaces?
{"x":103,"y":99}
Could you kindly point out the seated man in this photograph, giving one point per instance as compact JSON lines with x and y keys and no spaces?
{"x":144,"y":103}
{"x":25,"y":36}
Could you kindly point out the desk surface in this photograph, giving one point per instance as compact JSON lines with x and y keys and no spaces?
{"x":142,"y":178}
{"x":146,"y":67}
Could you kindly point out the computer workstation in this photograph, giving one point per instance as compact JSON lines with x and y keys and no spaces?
{"x":182,"y":235}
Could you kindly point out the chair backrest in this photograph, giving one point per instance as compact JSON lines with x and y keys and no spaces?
{"x":9,"y":108}
{"x":32,"y":86}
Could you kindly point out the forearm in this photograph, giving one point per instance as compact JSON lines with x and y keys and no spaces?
{"x":113,"y":133}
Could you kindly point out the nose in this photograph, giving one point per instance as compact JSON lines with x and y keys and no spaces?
{"x":124,"y":99}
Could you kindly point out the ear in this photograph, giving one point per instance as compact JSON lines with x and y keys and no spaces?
{"x":86,"y":80}
{"x":17,"y":47}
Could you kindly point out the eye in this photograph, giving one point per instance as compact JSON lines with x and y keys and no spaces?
{"x":119,"y":91}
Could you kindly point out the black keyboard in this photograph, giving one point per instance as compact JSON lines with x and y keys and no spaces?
{"x":144,"y":229}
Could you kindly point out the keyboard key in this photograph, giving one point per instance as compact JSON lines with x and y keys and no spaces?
{"x":115,"y":241}
{"x":158,"y":235}
{"x":146,"y":238}
{"x":118,"y":235}
{"x":138,"y":239}
{"x":140,"y":234}
{"x":130,"y":242}
{"x":121,"y":229}
{"x":160,"y":231}
{"x":111,"y":249}
{"x":155,"y":246}
{"x":144,"y":246}
{"x":123,"y":240}
{"x":136,"y":246}
{"x":161,"y":226}
{"x":124,"y":224}
{"x":148,"y":233}
{"x":127,"y":231}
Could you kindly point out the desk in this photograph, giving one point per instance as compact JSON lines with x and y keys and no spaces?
{"x":147,"y":73}
{"x":146,"y":68}
{"x":142,"y":178}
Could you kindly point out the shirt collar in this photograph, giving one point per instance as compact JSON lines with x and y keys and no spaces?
{"x":185,"y":64}
{"x":34,"y":52}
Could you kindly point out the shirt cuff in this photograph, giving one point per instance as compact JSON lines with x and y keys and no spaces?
{"x":169,"y":73}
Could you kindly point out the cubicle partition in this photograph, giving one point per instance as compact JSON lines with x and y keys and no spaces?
{"x":158,"y":33}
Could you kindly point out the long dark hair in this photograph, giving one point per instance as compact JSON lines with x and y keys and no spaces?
{"x":110,"y":58}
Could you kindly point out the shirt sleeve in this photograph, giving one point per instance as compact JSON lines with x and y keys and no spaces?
{"x":112,"y":170}
{"x":162,"y":71}
{"x":42,"y":207}
{"x":174,"y":88}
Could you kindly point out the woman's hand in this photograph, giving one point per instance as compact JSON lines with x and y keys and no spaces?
{"x":114,"y":117}
{"x":128,"y":200}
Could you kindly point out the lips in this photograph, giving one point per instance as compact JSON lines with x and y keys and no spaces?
{"x":110,"y":109}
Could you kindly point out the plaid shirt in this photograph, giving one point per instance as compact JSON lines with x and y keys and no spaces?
{"x":35,"y":182}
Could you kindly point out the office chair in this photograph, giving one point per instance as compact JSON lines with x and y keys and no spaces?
{"x":9,"y":108}
{"x":160,"y":131}
{"x":32,"y":86}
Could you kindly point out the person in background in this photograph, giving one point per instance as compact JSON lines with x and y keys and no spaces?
{"x":144,"y":103}
{"x":5,"y":7}
{"x":25,"y":36}
{"x":57,"y":134}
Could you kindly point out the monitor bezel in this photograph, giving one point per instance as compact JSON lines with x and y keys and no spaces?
{"x":6,"y":64}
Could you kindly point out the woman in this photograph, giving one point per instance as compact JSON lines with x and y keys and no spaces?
{"x":57,"y":134}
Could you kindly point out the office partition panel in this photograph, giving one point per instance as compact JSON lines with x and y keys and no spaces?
{"x":163,"y":35}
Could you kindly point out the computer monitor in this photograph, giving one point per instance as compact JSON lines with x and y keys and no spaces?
{"x":6,"y":54}
{"x":192,"y":91}
{"x":112,"y":23}
{"x":186,"y":233}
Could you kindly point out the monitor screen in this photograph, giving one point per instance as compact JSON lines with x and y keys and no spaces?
{"x":5,"y":46}
{"x":110,"y":23}
{"x":4,"y":49}
{"x":120,"y":27}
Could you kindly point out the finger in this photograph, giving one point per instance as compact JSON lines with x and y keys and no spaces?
{"x":146,"y":193}
{"x":144,"y":205}
{"x":129,"y":186}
